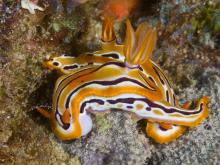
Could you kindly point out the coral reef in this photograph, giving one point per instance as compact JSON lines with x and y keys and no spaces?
{"x":188,"y":49}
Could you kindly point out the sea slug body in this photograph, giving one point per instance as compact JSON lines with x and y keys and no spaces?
{"x":119,"y":77}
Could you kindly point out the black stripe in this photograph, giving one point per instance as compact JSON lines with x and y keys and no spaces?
{"x":174,"y":99}
{"x":167,"y":96}
{"x":69,"y":67}
{"x":90,"y":54}
{"x":110,"y":63}
{"x":120,"y":64}
{"x":151,"y":105}
{"x":141,"y":69}
{"x":152,"y":79}
{"x":104,"y":83}
{"x":161,"y":80}
{"x":100,"y":102}
{"x":163,"y":76}
{"x":162,"y":129}
{"x":111,"y":55}
{"x":154,"y":105}
{"x":147,"y":81}
{"x":65,"y":125}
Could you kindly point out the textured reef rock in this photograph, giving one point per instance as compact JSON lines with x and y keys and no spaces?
{"x":116,"y":141}
{"x":188,"y":50}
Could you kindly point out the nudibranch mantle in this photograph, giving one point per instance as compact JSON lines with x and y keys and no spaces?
{"x":119,"y":77}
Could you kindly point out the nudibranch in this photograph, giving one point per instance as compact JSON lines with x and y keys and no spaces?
{"x":119,"y":76}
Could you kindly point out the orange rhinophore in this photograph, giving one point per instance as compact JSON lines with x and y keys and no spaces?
{"x":119,"y":77}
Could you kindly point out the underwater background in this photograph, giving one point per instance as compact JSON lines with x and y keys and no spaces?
{"x":188,"y":50}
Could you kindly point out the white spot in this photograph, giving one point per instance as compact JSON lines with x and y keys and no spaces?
{"x":85,"y":123}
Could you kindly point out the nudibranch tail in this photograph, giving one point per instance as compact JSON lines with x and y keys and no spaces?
{"x":179,"y":116}
{"x":165,"y":135}
{"x":161,"y":135}
{"x":108,"y":33}
{"x":139,"y":45}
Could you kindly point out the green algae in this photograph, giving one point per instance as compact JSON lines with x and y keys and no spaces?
{"x":206,"y":23}
{"x":68,"y":23}
{"x":208,"y":18}
{"x":102,"y":124}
